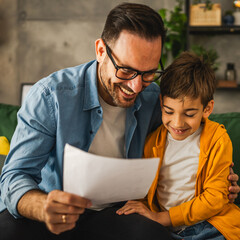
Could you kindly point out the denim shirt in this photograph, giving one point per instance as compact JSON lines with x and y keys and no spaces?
{"x":64,"y":108}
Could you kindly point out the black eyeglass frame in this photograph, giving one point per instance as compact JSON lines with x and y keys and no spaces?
{"x":137,"y":72}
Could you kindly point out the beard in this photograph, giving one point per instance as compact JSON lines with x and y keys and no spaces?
{"x":112,"y":91}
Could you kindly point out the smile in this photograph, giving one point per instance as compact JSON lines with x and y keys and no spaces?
{"x":179,"y":131}
{"x":126,"y":91}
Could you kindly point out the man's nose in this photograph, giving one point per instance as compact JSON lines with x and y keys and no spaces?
{"x":136,"y":84}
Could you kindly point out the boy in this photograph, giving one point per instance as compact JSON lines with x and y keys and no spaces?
{"x":191,"y":184}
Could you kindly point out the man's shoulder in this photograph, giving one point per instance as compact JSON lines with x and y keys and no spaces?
{"x":65,"y":85}
{"x":152,"y":88}
{"x":70,"y":76}
{"x":151,"y":92}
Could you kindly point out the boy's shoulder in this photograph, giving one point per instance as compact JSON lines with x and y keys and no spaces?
{"x":213,"y":132}
{"x":211,"y":128}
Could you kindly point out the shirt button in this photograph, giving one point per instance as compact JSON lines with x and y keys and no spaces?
{"x":99,"y":111}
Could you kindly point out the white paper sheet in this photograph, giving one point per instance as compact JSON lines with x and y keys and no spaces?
{"x":106,"y":180}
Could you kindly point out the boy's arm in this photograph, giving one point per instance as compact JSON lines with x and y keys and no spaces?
{"x":215,"y":188}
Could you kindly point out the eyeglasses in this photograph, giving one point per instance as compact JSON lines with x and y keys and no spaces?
{"x":126,"y":73}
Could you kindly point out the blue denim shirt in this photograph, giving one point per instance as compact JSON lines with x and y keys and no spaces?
{"x":64,"y":108}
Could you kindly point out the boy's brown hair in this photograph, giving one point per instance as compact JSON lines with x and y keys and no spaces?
{"x":189,"y":75}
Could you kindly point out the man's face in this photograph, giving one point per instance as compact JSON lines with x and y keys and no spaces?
{"x":182,"y":116}
{"x":130,"y":51}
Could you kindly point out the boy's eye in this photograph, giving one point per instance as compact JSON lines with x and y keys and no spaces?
{"x":189,"y":115}
{"x":168,"y":112}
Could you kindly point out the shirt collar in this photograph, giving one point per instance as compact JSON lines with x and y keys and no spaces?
{"x":91,"y":92}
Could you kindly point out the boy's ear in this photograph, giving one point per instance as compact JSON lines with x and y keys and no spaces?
{"x":100,"y":49}
{"x":208,"y":109}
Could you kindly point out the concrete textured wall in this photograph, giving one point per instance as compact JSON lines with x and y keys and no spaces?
{"x":38,"y":37}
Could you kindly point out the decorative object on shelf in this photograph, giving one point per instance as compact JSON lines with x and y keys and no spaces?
{"x":237,"y":3}
{"x":208,"y":3}
{"x":228,"y":18}
{"x":210,"y":55}
{"x":230,"y":72}
{"x":201,"y":15}
{"x":236,"y":14}
{"x":176,"y":37}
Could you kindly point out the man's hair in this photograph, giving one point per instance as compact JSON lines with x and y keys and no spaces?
{"x":191,"y":76}
{"x":135,"y":18}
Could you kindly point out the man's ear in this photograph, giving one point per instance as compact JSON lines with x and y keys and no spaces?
{"x":100,"y":49}
{"x":208,"y":109}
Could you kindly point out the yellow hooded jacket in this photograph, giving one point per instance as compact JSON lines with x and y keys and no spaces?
{"x":211,"y":190}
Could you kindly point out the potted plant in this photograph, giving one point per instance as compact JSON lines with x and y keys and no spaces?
{"x":210,"y":55}
{"x":208,"y":4}
{"x":175,"y":24}
{"x":176,"y":37}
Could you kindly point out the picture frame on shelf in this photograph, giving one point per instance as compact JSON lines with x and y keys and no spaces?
{"x":25,"y":87}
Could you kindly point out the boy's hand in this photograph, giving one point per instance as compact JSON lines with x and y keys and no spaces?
{"x":234,"y":189}
{"x":138,"y":207}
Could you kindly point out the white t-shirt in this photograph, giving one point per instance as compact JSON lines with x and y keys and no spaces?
{"x":109,"y":140}
{"x":177,"y":176}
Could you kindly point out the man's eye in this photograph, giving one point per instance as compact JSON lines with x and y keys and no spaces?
{"x":169,"y":113}
{"x":127,"y":71}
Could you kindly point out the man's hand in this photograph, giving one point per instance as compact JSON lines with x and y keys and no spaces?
{"x":62,"y":210}
{"x":234,"y":189}
{"x":59,"y":210}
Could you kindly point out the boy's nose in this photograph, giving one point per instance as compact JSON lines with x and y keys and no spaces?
{"x":178,"y":122}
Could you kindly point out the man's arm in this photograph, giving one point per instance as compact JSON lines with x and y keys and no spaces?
{"x":50,"y":208}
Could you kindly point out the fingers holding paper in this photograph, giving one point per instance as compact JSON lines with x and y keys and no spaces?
{"x":62,"y":210}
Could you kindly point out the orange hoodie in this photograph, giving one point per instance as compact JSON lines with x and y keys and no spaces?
{"x":211,"y":190}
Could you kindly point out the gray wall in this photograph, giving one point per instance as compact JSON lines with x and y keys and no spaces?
{"x":38,"y":37}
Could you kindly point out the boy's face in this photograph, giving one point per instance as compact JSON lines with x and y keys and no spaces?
{"x":182,"y":116}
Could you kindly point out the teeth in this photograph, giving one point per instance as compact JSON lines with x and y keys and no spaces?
{"x":126,"y":91}
{"x":179,"y":131}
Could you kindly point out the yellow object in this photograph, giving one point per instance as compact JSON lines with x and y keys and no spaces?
{"x":237,"y":3}
{"x":4,"y":146}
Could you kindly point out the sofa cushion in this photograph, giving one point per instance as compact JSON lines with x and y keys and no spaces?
{"x":2,"y":159}
{"x":231,"y":121}
{"x":8,"y":120}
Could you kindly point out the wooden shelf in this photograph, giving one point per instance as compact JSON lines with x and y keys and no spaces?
{"x":214,"y":30}
{"x":229,"y":88}
{"x":226,"y":84}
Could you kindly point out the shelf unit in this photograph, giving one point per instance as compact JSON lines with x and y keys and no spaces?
{"x":215,"y":30}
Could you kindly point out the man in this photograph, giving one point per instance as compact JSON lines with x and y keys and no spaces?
{"x":99,"y":107}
